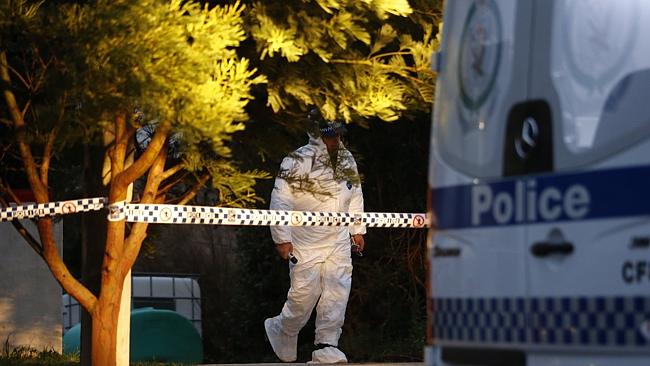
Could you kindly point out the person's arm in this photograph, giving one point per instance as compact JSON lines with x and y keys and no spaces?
{"x":282,"y":200}
{"x":356,"y":206}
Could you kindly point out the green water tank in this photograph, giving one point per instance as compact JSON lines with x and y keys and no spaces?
{"x":156,"y":335}
{"x":71,"y":340}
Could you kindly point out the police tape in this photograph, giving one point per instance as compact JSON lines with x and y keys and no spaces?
{"x":33,"y":210}
{"x":181,"y":214}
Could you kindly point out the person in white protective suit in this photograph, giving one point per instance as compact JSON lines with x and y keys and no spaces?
{"x":320,"y":176}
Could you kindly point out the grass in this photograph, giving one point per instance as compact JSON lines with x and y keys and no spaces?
{"x":23,"y":355}
{"x":28,"y":356}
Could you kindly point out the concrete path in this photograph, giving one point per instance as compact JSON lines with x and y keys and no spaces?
{"x":303,"y":364}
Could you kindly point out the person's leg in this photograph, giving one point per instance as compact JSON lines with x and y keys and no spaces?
{"x":282,"y":330}
{"x":330,"y":311}
{"x":302,"y":296}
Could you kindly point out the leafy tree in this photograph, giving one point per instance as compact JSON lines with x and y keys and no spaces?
{"x":389,"y":279}
{"x":355,"y":59}
{"x":171,"y":82}
{"x":75,"y":71}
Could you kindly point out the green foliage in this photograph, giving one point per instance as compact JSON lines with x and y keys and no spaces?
{"x":234,"y":186}
{"x":175,"y":61}
{"x":181,"y":63}
{"x":354,"y":59}
{"x":78,"y":65}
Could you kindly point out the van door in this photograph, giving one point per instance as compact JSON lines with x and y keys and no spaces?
{"x":478,"y":256}
{"x":588,"y":242}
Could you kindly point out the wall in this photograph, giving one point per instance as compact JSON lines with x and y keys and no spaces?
{"x":30,"y":298}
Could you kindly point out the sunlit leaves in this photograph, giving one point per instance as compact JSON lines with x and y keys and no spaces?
{"x":300,"y":89}
{"x":275,"y":97}
{"x":234,"y":187}
{"x":385,"y":35}
{"x":215,"y":119}
{"x":346,"y":27}
{"x":364,"y":68}
{"x":175,"y":62}
{"x":394,"y":7}
{"x":274,"y":37}
{"x":180,"y":62}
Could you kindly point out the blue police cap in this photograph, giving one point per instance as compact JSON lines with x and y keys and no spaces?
{"x":325,"y":128}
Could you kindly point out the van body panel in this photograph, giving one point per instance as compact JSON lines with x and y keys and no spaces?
{"x":539,"y":173}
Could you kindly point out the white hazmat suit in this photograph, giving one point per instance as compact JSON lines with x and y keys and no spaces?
{"x":322,"y":276}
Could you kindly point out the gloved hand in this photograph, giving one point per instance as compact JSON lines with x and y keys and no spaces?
{"x":360,"y":243}
{"x":284,"y":249}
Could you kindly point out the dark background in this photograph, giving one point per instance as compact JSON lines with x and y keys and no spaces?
{"x":243,"y":280}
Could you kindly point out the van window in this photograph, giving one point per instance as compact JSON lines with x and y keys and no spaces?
{"x":600,"y":68}
{"x":475,"y":82}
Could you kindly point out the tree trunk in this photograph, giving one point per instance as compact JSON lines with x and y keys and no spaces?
{"x":106,"y":312}
{"x":104,"y":329}
{"x":93,"y":226}
{"x":105,"y":315}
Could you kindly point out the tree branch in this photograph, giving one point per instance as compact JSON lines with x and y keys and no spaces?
{"x":18,"y":75}
{"x":41,"y":78}
{"x":231,"y":203}
{"x":192,"y":192}
{"x":59,"y":269}
{"x":120,"y":144}
{"x":389,"y":68}
{"x":160,"y":195}
{"x":386,"y":54}
{"x":50,"y":252}
{"x":427,"y":13}
{"x":145,"y":161}
{"x":171,"y":184}
{"x":154,"y":176}
{"x":138,"y":232}
{"x":40,"y":191}
{"x":171,"y":171}
{"x":49,"y":146}
{"x":26,"y":107}
{"x":6,"y":189}
{"x":31,"y":241}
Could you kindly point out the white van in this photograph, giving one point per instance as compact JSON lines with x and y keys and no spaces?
{"x":540,"y":185}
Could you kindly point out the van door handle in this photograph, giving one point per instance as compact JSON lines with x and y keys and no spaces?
{"x":544,"y":249}
{"x":446,"y":252}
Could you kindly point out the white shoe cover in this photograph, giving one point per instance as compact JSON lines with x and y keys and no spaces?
{"x":328,"y":355}
{"x":284,"y":346}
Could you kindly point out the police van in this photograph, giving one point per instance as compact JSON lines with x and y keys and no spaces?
{"x":539,"y":176}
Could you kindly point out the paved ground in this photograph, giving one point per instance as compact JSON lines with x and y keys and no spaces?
{"x":303,"y":364}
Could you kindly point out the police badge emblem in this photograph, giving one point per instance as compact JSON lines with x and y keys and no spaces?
{"x":479,"y":59}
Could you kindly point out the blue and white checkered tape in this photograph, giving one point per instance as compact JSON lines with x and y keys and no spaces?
{"x":181,"y":214}
{"x":551,"y":321}
{"x":32,"y":210}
